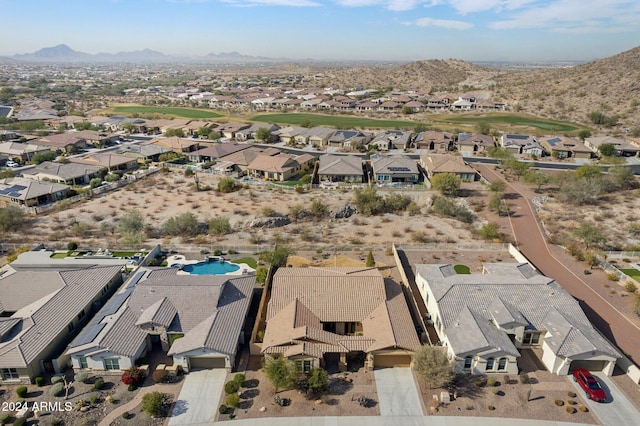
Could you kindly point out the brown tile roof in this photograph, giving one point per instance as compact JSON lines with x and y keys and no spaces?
{"x":445,"y":163}
{"x":273,"y":163}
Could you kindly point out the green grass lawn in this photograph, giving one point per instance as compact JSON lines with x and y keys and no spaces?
{"x":126,"y":253}
{"x":633,"y":273}
{"x":339,"y":121}
{"x":60,"y":255}
{"x":248,"y":260}
{"x":498,"y":120}
{"x":462,"y":269}
{"x":193,"y":113}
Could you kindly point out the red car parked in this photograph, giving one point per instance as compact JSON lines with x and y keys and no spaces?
{"x":589,"y":384}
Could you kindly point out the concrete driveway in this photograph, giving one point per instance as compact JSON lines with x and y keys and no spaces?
{"x":397,"y":392}
{"x":617,"y":410}
{"x":198,"y":399}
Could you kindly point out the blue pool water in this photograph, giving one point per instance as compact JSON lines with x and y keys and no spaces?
{"x":213,"y":267}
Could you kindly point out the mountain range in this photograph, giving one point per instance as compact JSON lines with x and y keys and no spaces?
{"x":64,"y":54}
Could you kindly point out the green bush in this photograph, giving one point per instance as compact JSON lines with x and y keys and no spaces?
{"x":126,"y":415}
{"x":94,"y":398}
{"x":227,"y":184}
{"x":612,"y":276}
{"x":222,"y":409}
{"x":4,"y":418}
{"x":152,"y":403}
{"x":239,"y":379}
{"x":39,"y":381}
{"x":72,"y":245}
{"x":231,"y":387}
{"x":524,"y":378}
{"x":160,"y":376}
{"x":630,"y":287}
{"x":95,"y":182}
{"x":233,"y":400}
{"x":57,"y":389}
{"x":22,"y":392}
{"x":81,"y":377}
{"x":491,"y":381}
{"x":56,"y":379}
{"x":98,"y":383}
{"x":131,"y":388}
{"x":20,"y":421}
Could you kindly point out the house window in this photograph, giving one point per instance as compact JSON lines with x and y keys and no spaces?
{"x":490,"y":364}
{"x":81,"y":315}
{"x":303,"y":365}
{"x":10,"y":373}
{"x":467,"y":362}
{"x":531,"y":338}
{"x":111,"y":364}
{"x":502,"y":364}
{"x":82,"y":361}
{"x":70,"y":327}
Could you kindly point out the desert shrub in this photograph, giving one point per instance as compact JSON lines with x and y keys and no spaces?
{"x":219,"y":225}
{"x":630,"y":286}
{"x":491,"y":381}
{"x":39,"y":381}
{"x":72,"y":245}
{"x":132,"y":376}
{"x":152,"y":403}
{"x":231,"y":387}
{"x":227,"y":184}
{"x":4,"y":418}
{"x":233,"y":400}
{"x":98,"y":383}
{"x":569,"y":409}
{"x":524,"y":378}
{"x":126,"y":415}
{"x":448,"y":207}
{"x":188,"y":172}
{"x":57,"y":389}
{"x":571,"y":402}
{"x":222,"y":409}
{"x":495,"y":391}
{"x":239,"y":379}
{"x":491,"y":407}
{"x":94,"y":398}
{"x":56,"y":379}
{"x":131,"y":388}
{"x":81,"y":377}
{"x":612,"y":276}
{"x":22,"y":392}
{"x":160,"y":376}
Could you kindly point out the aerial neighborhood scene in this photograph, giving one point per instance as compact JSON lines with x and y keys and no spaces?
{"x":335,"y":212}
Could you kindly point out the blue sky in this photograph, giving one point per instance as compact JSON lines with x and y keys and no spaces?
{"x":474,"y":30}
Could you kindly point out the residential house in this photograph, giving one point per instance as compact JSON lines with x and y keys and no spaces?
{"x":397,"y":139}
{"x":413,"y":107}
{"x":229,"y":130}
{"x":319,"y":136}
{"x":562,"y":147}
{"x":447,"y":163}
{"x":108,"y":160}
{"x":29,"y":193}
{"x":20,"y":151}
{"x":64,"y":142}
{"x":239,"y":161}
{"x":250,"y":132}
{"x":199,"y":320}
{"x":42,"y":310}
{"x":521,"y":144}
{"x":438,"y":142}
{"x":395,"y":168}
{"x":622,"y":147}
{"x":463,"y":105}
{"x":141,"y":153}
{"x":96,"y":138}
{"x":349,"y":139}
{"x":7,"y":135}
{"x":338,"y":318}
{"x":484,"y":320}
{"x":175,"y":144}
{"x":215,"y":151}
{"x":340,"y":168}
{"x":279,"y":167}
{"x":289,"y":133}
{"x":472,"y":143}
{"x":67,"y":173}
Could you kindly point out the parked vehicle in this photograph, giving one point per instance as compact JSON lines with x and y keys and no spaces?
{"x":589,"y":384}
{"x":12,"y":164}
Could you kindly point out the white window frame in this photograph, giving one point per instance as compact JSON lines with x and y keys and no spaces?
{"x":108,"y":363}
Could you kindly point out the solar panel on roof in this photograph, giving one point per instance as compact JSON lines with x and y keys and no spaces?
{"x":112,"y":306}
{"x":12,"y":191}
{"x":399,"y":169}
{"x":553,"y":141}
{"x":87,"y":335}
{"x":134,"y":280}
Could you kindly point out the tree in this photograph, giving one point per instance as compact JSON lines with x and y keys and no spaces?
{"x":182,"y":224}
{"x":279,"y":255}
{"x":317,"y":379}
{"x":622,"y":178}
{"x":227,"y":184}
{"x":131,"y":223}
{"x":11,"y":218}
{"x":174,"y":132}
{"x":219,"y":225}
{"x":518,"y":168}
{"x":497,"y":186}
{"x":432,"y":364}
{"x":41,"y":157}
{"x":607,"y":149}
{"x":589,"y":234}
{"x":95,"y":182}
{"x":280,"y":371}
{"x":490,"y":231}
{"x":587,"y":172}
{"x":446,"y":183}
{"x":264,"y":134}
{"x":368,"y":202}
{"x":537,"y":178}
{"x":583,"y":134}
{"x":371,"y":262}
{"x":318,"y":208}
{"x":482,"y":127}
{"x":204,"y":132}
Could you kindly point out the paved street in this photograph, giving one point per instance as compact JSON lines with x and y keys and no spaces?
{"x":397,"y":392}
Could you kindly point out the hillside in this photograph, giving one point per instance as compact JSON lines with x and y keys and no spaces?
{"x":610,"y":86}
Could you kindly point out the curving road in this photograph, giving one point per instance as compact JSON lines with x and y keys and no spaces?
{"x":531,"y":241}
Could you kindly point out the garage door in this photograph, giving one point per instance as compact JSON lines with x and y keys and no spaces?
{"x":383,"y":361}
{"x":590,"y":365}
{"x":200,"y":363}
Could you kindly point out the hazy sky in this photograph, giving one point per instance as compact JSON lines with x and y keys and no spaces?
{"x":474,"y":30}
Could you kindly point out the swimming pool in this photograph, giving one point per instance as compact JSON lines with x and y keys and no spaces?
{"x":211,"y":267}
